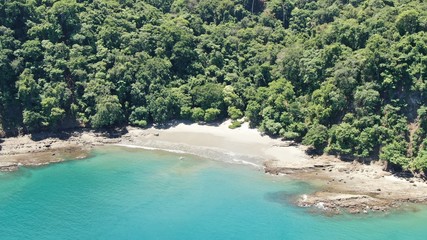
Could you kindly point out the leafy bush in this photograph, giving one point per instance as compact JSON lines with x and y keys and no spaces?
{"x":235,"y":124}
{"x":317,"y":137}
{"x":234,"y":113}
{"x":108,"y":113}
{"x":139,"y":117}
{"x":211,"y":114}
{"x":198,"y":114}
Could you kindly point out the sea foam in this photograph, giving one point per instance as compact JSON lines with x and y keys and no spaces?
{"x":228,"y":157}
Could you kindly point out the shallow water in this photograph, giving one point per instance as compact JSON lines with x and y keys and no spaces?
{"x":124,"y":193}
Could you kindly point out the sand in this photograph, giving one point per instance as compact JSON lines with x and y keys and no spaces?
{"x":341,"y":186}
{"x":219,"y":142}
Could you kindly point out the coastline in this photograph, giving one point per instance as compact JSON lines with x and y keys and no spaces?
{"x":342,"y":186}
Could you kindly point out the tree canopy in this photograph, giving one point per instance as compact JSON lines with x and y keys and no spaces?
{"x":347,"y":77}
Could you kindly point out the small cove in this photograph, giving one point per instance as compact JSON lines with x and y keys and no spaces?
{"x":121,"y":193}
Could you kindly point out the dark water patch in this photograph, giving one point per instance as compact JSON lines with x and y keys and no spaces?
{"x":291,"y":194}
{"x":281,"y":197}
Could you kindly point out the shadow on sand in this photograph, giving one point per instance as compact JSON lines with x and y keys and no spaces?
{"x":175,"y":123}
{"x":67,"y":134}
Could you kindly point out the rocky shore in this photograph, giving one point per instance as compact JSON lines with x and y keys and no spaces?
{"x":353,"y":187}
{"x":341,"y":186}
{"x":44,"y":148}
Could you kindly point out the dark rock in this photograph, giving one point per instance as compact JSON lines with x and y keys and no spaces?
{"x":322,"y":165}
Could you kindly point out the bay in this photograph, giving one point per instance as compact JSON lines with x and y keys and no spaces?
{"x":121,"y":193}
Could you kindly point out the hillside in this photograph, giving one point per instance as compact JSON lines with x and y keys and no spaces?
{"x":347,"y":77}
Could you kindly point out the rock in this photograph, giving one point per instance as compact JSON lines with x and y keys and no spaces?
{"x":354,"y":211}
{"x":322,"y":165}
{"x":379,"y":189}
{"x":285,"y":144}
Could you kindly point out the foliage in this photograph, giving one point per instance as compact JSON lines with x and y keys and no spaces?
{"x":108,"y":112}
{"x":235,"y":124}
{"x":198,"y":114}
{"x":346,"y":77}
{"x":317,"y":137}
{"x":139,"y":117}
{"x":234,"y":113}
{"x":211,"y":114}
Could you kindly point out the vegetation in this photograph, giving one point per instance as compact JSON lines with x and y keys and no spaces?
{"x":235,"y":124}
{"x":348,"y":77}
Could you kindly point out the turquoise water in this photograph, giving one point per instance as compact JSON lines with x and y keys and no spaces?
{"x":134,"y":194}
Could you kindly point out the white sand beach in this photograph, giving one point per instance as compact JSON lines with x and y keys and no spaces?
{"x":243,"y":143}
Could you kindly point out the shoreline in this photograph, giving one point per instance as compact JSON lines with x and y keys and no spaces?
{"x":342,"y":186}
{"x":208,"y":153}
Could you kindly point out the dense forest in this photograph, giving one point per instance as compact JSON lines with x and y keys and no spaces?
{"x":346,"y":77}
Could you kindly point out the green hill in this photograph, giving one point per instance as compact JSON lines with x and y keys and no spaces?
{"x":347,"y":77}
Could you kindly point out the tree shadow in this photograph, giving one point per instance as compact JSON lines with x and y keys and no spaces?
{"x":39,"y":136}
{"x":403,"y":174}
{"x":312,"y":152}
{"x":75,"y":132}
{"x":112,"y":132}
{"x":399,"y":172}
{"x":174,"y":123}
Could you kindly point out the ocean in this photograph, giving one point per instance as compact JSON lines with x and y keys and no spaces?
{"x":123,"y":193}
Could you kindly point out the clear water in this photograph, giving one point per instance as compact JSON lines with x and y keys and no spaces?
{"x":134,"y":194}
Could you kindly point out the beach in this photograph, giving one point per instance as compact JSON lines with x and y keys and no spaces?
{"x":340,"y":186}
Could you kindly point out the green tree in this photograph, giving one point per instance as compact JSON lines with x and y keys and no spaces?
{"x":234,"y":113}
{"x":209,"y":95}
{"x":253,"y":113}
{"x":343,"y":139}
{"x":395,"y":153}
{"x":139,"y":117}
{"x":108,"y":112}
{"x":33,"y":121}
{"x":407,"y":22}
{"x":198,"y":114}
{"x":211,"y":114}
{"x":28,"y":89}
{"x":317,"y":137}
